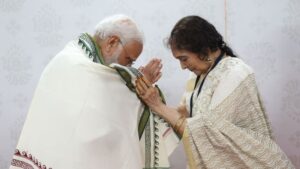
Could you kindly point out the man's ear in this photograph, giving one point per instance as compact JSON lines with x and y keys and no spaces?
{"x":113,"y":41}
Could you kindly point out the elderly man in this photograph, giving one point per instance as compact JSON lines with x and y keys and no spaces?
{"x":83,"y":116}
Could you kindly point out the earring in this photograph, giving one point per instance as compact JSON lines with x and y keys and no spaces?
{"x":208,"y":60}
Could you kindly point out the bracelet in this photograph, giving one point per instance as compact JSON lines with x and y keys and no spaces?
{"x":178,"y":123}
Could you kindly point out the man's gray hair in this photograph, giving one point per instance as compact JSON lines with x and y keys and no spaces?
{"x":119,"y":25}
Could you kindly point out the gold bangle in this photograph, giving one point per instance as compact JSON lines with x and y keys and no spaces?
{"x":179,"y":126}
{"x":178,"y":123}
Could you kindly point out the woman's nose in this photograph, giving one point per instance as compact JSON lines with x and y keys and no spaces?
{"x":183,"y":66}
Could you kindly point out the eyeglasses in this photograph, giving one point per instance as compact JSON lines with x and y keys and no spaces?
{"x":128,"y":57}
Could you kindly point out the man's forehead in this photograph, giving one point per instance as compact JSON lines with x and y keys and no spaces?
{"x":134,"y":44}
{"x":134,"y":48}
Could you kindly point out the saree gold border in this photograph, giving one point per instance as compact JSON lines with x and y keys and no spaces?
{"x":188,"y":149}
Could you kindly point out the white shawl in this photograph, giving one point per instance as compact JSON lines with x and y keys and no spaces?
{"x":82,"y":116}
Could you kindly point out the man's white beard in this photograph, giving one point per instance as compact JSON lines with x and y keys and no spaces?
{"x":114,"y":56}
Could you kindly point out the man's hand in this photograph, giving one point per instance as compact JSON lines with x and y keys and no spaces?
{"x":152,"y":71}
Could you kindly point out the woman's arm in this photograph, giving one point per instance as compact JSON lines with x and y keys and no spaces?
{"x":150,"y":96}
{"x":182,"y":110}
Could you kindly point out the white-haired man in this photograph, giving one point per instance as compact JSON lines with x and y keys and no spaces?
{"x":82,"y":115}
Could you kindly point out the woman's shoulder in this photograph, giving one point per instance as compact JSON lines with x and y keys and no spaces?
{"x":236,"y":63}
{"x":236,"y":66}
{"x":230,"y":73}
{"x":232,"y":68}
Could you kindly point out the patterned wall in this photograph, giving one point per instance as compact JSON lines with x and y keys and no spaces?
{"x":266,"y":34}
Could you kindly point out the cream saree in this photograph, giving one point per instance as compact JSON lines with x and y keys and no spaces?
{"x":229,"y":127}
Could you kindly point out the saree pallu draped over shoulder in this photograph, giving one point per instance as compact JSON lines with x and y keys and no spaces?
{"x":229,"y":128}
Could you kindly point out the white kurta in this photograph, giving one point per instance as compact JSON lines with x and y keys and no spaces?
{"x":82,"y":116}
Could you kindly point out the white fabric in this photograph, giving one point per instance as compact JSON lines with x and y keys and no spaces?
{"x":82,"y":116}
{"x":164,"y":138}
{"x":229,"y":127}
{"x":158,"y":140}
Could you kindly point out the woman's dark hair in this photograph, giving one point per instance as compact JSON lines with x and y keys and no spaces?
{"x":195,"y":34}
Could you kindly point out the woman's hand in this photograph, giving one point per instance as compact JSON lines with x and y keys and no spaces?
{"x":183,"y":111}
{"x":152,"y":71}
{"x":148,"y":93}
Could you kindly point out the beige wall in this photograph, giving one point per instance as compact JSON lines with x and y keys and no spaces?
{"x":266,"y":34}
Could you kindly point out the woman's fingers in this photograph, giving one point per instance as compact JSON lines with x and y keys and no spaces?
{"x":139,"y":89}
{"x":144,"y":88}
{"x":146,"y":82}
{"x":141,"y":85}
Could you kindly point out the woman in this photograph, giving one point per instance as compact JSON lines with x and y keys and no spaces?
{"x":223,"y":124}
